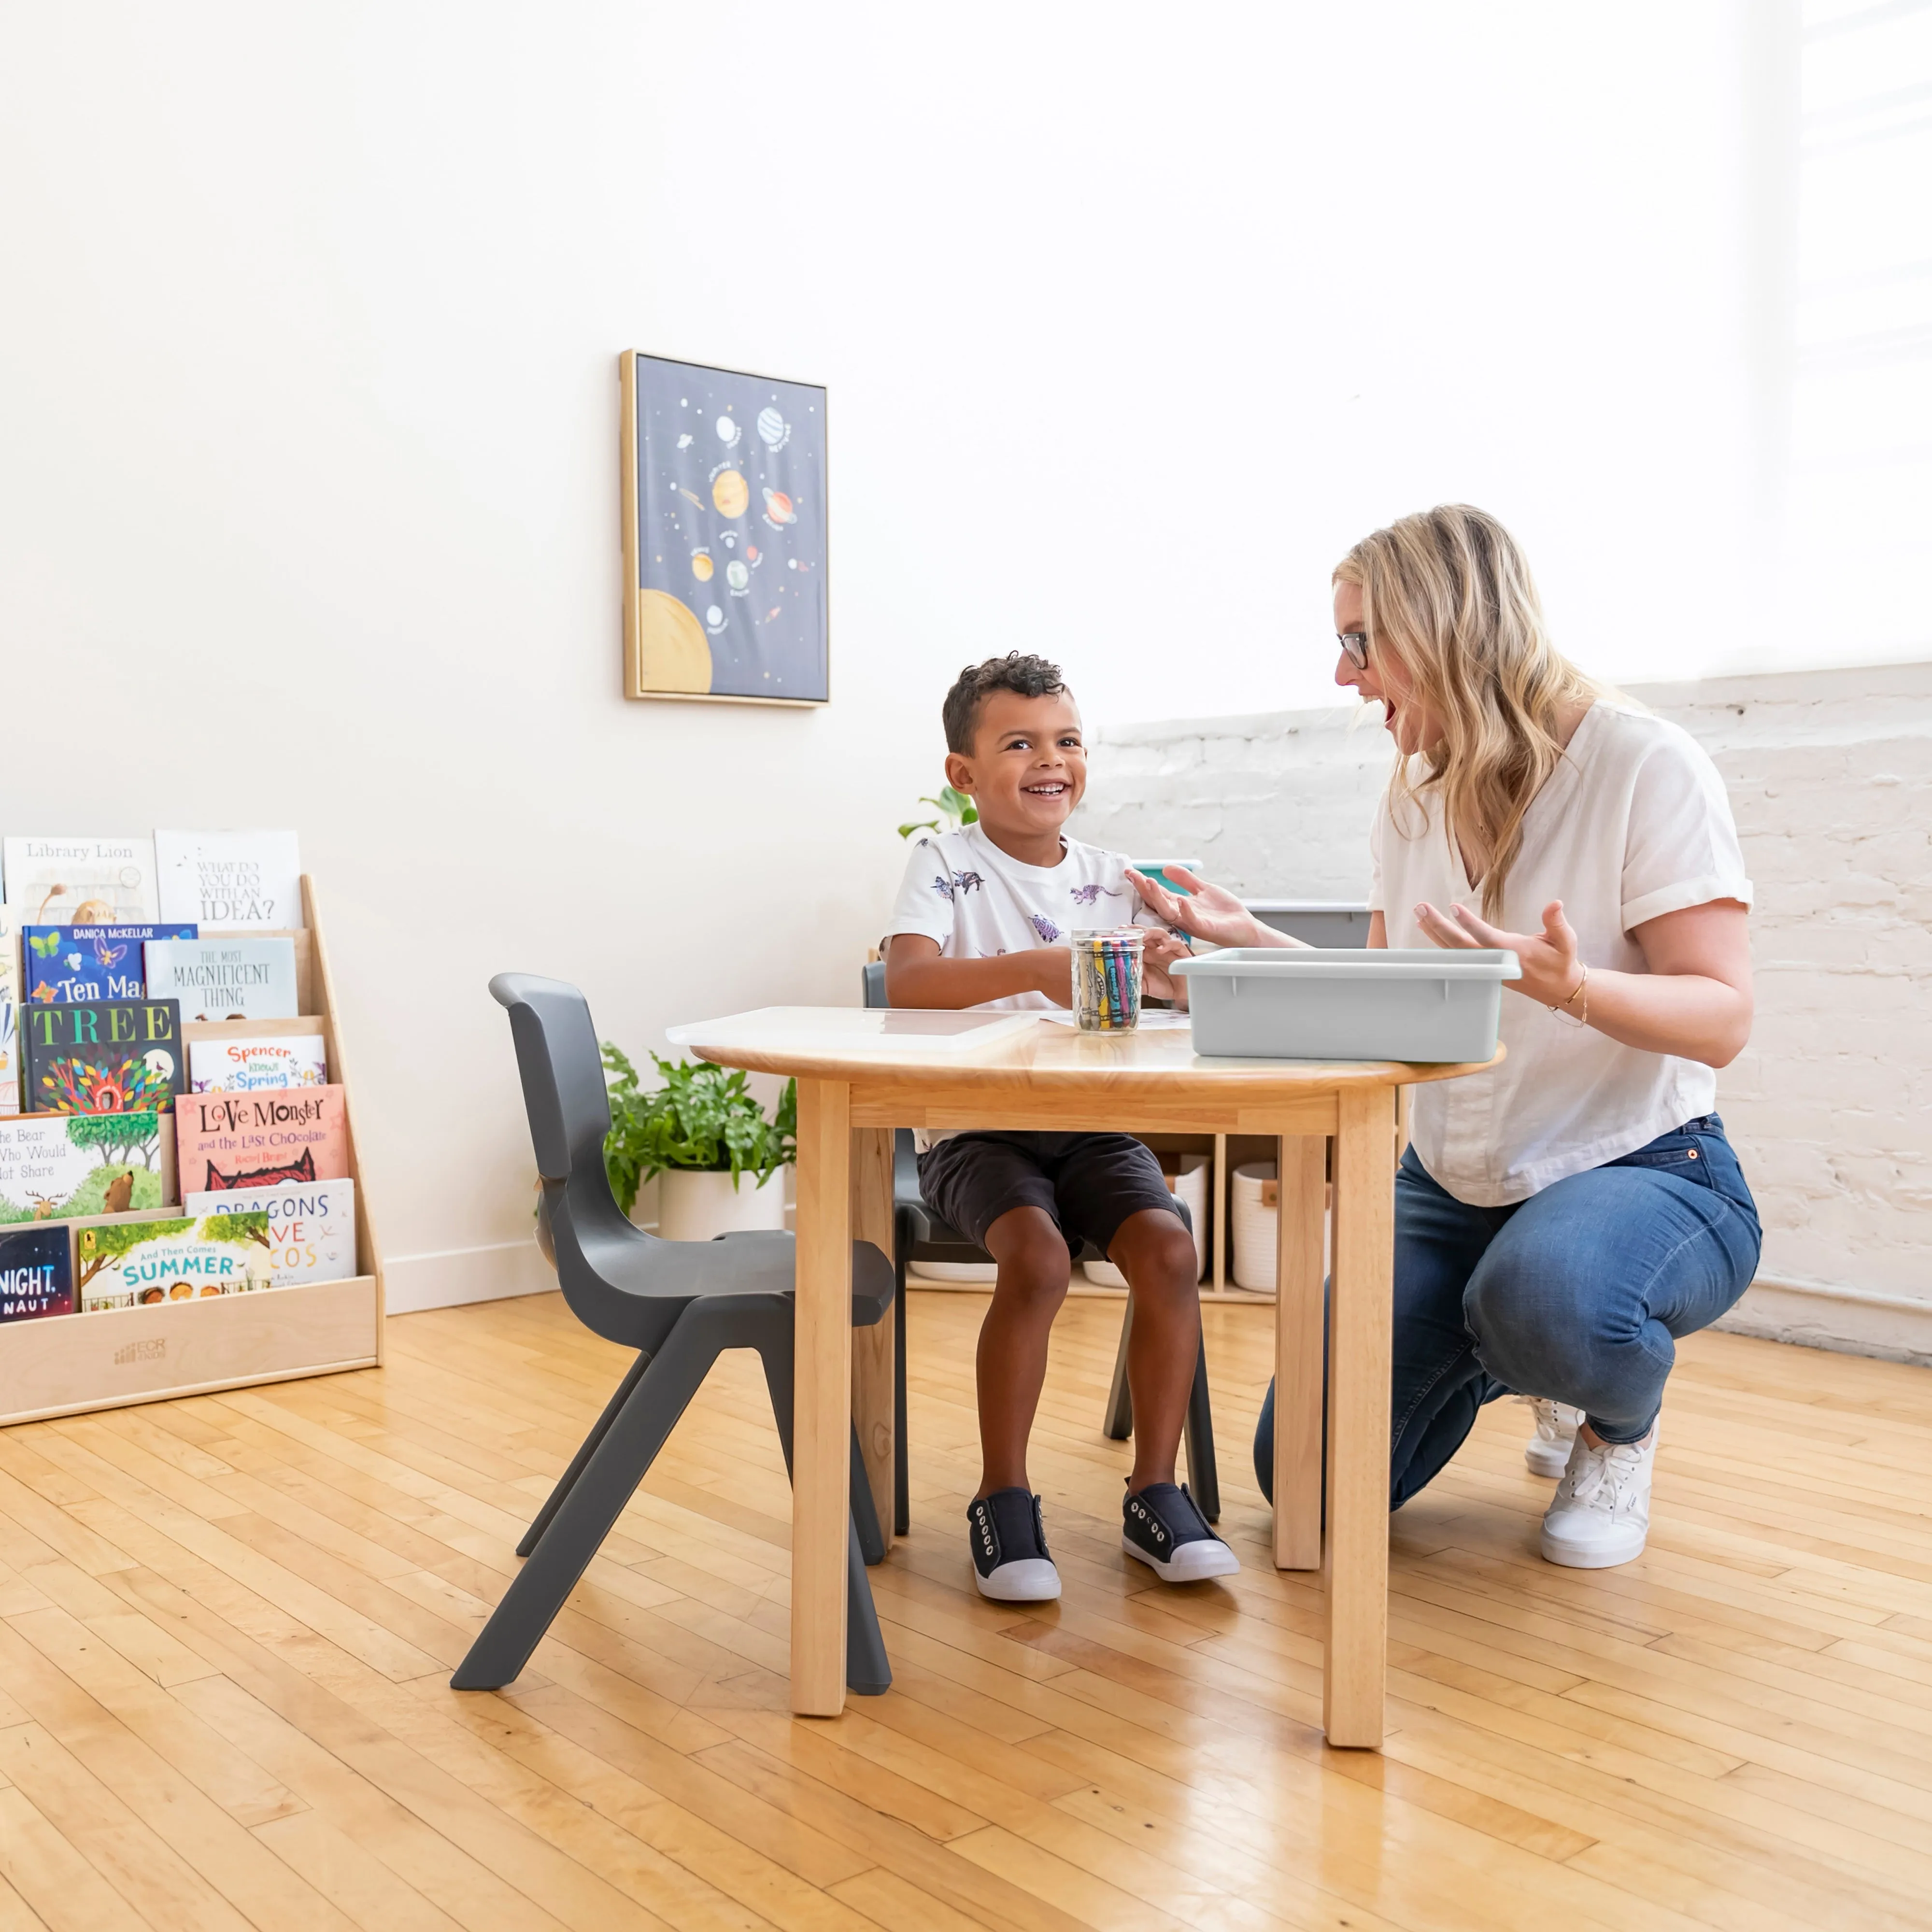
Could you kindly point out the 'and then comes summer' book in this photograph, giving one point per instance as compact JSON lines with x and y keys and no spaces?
{"x":128,"y":1264}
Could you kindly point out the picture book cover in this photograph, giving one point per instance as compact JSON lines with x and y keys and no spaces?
{"x":129,"y":1264}
{"x":230,"y":878}
{"x":66,"y":964}
{"x":225,"y":979}
{"x":53,"y":1166}
{"x":239,"y":1066}
{"x":80,"y":881}
{"x":36,"y":1273}
{"x":10,"y":999}
{"x":311,"y":1230}
{"x":101,"y":1057}
{"x":280,"y":1136}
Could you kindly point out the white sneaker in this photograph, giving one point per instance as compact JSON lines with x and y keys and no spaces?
{"x":1547,"y":1452}
{"x":1600,"y":1513}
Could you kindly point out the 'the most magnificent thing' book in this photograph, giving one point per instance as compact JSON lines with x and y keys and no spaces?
{"x":101,"y":1057}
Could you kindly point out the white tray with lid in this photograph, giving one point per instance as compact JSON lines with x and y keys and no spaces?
{"x":1308,"y":1002}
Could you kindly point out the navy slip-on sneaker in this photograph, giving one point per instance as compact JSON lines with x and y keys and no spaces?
{"x":1010,"y":1562}
{"x":1161,"y":1527}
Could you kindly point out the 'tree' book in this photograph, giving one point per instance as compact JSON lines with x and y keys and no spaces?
{"x":80,"y":881}
{"x":65,"y":964}
{"x":128,"y":1264}
{"x":102,"y":1057}
{"x":230,"y":878}
{"x":281,"y":1136}
{"x":54,"y":1165}
{"x":282,"y":1059}
{"x":245,"y":979}
{"x":311,"y":1229}
{"x":36,"y":1273}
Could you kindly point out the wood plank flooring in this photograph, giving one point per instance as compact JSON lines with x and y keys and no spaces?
{"x":227,"y":1626}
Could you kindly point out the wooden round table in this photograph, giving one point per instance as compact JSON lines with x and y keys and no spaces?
{"x":861,"y":1074}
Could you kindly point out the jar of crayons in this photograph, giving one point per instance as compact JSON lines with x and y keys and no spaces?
{"x":1107,"y":979}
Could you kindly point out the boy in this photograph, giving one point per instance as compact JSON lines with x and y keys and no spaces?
{"x":979,"y":922}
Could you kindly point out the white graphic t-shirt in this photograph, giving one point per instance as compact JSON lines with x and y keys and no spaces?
{"x":960,"y":889}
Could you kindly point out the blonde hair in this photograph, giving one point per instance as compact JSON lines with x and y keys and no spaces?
{"x":1448,"y":596}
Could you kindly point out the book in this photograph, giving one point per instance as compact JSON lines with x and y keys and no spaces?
{"x":280,"y":1136}
{"x":80,"y":881}
{"x":230,"y":878}
{"x":311,"y":1229}
{"x":65,"y":964}
{"x":36,"y":1273}
{"x":225,"y":979}
{"x":10,"y":1001}
{"x":239,"y":1066}
{"x":129,"y":1264}
{"x":101,"y":1057}
{"x":54,"y":1165}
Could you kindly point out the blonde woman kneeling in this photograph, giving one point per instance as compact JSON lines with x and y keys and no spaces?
{"x":1562,"y":1219}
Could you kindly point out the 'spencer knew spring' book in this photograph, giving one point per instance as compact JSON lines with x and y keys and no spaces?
{"x":130,"y":1264}
{"x":101,"y":1057}
{"x":231,"y":878}
{"x":53,"y":1166}
{"x":36,"y":1273}
{"x":80,"y":881}
{"x":235,"y":1066}
{"x":311,"y":1229}
{"x":282,"y":1136}
{"x":244,"y":979}
{"x":66,"y":964}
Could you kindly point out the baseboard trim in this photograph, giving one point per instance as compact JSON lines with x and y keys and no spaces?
{"x":448,"y":1277}
{"x":1823,"y":1315}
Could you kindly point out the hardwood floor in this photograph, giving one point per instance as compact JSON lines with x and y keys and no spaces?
{"x":227,"y":1626}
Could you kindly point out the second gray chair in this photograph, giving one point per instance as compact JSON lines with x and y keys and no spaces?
{"x":679,"y":1304}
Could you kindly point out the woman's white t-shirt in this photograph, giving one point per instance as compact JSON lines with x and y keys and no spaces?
{"x":1633,"y":824}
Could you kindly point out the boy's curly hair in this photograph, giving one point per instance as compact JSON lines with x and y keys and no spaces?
{"x":1018,"y":671}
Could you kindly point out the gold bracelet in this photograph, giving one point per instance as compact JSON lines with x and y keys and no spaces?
{"x":1582,"y":987}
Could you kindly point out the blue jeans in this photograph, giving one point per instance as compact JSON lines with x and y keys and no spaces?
{"x":1577,"y":1293}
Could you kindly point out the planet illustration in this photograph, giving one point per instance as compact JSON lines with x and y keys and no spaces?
{"x":727,"y":431}
{"x":672,"y":652}
{"x":737,"y":575}
{"x":778,"y":507}
{"x":730,"y":494}
{"x":773,"y":428}
{"x":714,"y":616}
{"x":700,"y":567}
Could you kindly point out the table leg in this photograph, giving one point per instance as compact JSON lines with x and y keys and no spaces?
{"x":822,"y":1398}
{"x":1355,"y":1566}
{"x":1297,"y":1353}
{"x":872,"y":1348}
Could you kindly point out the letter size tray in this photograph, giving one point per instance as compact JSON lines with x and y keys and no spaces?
{"x":1274,"y":1002}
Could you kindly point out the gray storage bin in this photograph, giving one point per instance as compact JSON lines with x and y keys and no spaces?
{"x":1278,"y":1003}
{"x":1315,"y":922}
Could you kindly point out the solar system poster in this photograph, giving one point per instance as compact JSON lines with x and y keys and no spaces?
{"x":724,"y":535}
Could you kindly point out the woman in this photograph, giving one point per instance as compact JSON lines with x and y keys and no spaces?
{"x":1560,"y":1220}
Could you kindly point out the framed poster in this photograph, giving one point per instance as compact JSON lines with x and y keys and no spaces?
{"x":723,"y":508}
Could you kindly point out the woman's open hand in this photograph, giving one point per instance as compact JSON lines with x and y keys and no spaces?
{"x":1550,"y":971}
{"x":1207,"y":912}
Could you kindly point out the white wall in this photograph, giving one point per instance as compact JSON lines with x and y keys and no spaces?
{"x":1132,"y":321}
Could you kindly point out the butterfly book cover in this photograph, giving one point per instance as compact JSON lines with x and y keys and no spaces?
{"x":240,"y":1066}
{"x":64,"y":965}
{"x":231,"y":878}
{"x":10,"y":1000}
{"x":242,"y":979}
{"x":133,"y":1263}
{"x":101,"y":1056}
{"x":54,"y":1165}
{"x":278,"y":1137}
{"x":36,"y":1273}
{"x":80,"y":881}
{"x":311,"y":1229}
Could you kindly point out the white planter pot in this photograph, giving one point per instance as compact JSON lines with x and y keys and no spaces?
{"x":696,"y":1207}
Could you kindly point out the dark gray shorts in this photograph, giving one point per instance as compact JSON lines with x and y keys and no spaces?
{"x":1090,"y":1184}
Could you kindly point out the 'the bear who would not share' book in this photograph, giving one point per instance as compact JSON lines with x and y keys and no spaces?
{"x":55,"y":1165}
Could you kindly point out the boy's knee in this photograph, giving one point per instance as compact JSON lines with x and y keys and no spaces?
{"x":1156,"y":1252}
{"x":1032,"y":1255}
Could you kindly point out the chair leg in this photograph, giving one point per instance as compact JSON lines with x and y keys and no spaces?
{"x":865,"y":1511}
{"x":901,"y":1448}
{"x":1204,"y":1475}
{"x":592,"y":1505}
{"x":868,"y":1671}
{"x":586,"y":1450}
{"x":1118,"y":1421}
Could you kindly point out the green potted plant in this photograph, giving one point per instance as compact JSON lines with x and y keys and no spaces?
{"x":715,"y":1154}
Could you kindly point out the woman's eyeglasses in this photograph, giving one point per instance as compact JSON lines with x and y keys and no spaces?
{"x":1356,"y":643}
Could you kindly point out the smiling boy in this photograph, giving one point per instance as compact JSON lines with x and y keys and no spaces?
{"x":980,"y":920}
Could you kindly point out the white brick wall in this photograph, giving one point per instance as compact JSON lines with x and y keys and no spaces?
{"x":1830,"y":774}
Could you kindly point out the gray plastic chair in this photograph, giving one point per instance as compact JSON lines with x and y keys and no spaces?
{"x":919,"y":1234}
{"x":679,"y":1304}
